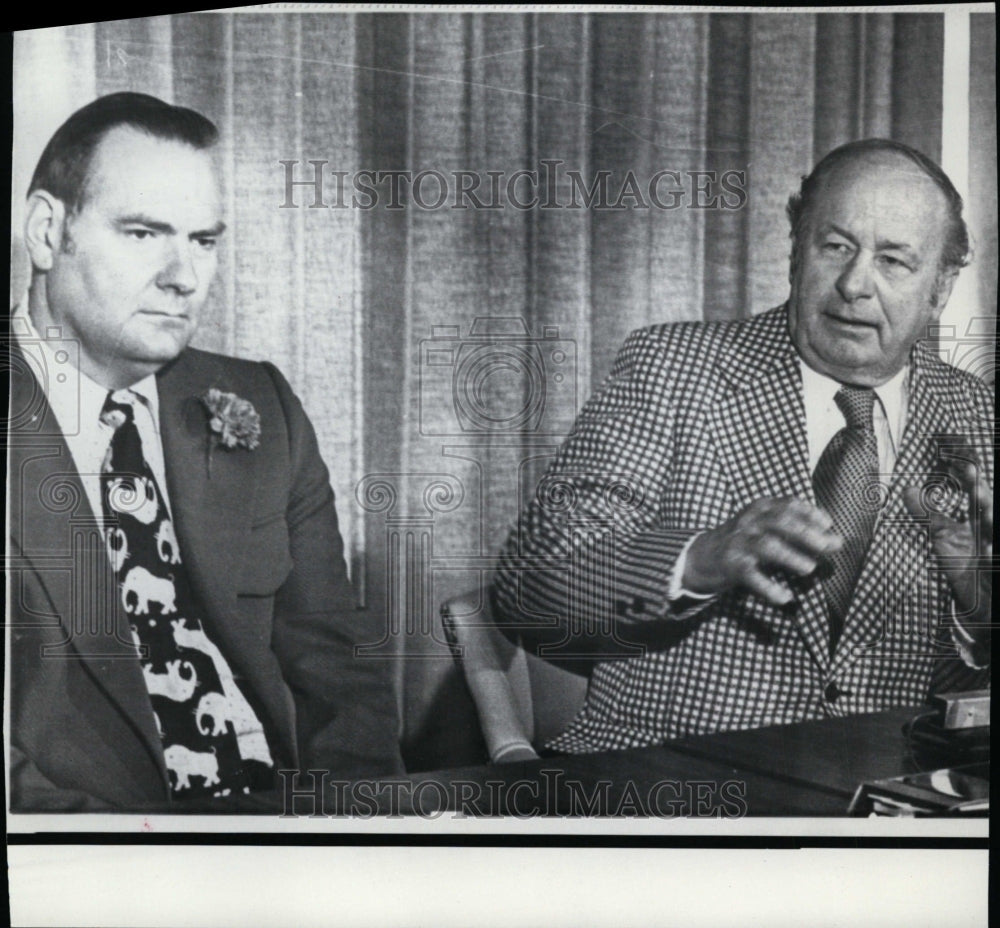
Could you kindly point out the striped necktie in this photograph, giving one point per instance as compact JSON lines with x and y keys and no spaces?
{"x":843,"y":481}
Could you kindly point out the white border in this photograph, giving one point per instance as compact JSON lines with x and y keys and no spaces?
{"x":446,"y":886}
{"x":247,"y":885}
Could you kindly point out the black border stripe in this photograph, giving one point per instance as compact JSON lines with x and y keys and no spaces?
{"x":257,"y":839}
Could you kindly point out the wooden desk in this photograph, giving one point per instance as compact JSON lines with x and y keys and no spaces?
{"x":812,"y":768}
{"x":833,"y":755}
{"x":808,"y":769}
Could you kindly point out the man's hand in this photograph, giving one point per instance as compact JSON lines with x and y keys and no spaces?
{"x":787,"y":534}
{"x":965,"y":547}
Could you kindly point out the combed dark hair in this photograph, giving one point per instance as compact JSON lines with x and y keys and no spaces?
{"x":64,"y":167}
{"x":955,"y":254}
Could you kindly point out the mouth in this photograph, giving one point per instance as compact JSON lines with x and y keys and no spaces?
{"x":164,"y":316}
{"x":850,"y":324}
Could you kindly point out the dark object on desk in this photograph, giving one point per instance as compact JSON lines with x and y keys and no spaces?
{"x":942,"y":736}
{"x":962,"y":791}
{"x":970,"y":709}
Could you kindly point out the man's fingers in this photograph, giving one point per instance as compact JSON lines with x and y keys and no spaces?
{"x":979,"y":493}
{"x":962,"y":469}
{"x":775,"y":551}
{"x":774,"y":592}
{"x":800,"y":512}
{"x":949,"y":537}
{"x":972,"y":480}
{"x":923,"y":509}
{"x":809,"y":529}
{"x":937,"y":522}
{"x":810,"y":541}
{"x":981,"y":498}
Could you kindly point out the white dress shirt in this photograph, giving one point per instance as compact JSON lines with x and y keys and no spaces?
{"x":76,"y":401}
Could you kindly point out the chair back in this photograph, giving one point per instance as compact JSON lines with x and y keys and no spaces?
{"x":521,"y":699}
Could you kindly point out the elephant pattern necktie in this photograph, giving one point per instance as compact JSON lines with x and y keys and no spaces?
{"x":213,"y":741}
{"x":843,"y":481}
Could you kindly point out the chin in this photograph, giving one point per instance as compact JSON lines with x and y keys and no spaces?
{"x":859,"y":376}
{"x":157,"y":354}
{"x":848,"y":369}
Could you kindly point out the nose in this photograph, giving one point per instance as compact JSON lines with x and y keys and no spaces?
{"x":179,"y":272}
{"x":856,"y":281}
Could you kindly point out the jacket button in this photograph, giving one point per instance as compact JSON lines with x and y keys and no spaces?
{"x":832,"y":692}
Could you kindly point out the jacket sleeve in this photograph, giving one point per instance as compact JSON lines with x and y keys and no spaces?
{"x":591,"y":558}
{"x":346,"y":714}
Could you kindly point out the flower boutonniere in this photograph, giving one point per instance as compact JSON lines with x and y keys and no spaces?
{"x":233,"y":420}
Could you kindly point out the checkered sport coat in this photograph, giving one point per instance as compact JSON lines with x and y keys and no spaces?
{"x":695,"y":422}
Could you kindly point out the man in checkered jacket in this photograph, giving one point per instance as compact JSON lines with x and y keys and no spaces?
{"x":677,"y":539}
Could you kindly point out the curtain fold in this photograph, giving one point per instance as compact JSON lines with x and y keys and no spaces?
{"x":382,"y":318}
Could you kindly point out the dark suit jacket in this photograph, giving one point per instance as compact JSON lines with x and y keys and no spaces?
{"x":695,"y":422}
{"x":258,"y":532}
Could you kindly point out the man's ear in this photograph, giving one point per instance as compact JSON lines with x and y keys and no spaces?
{"x":942,"y":289}
{"x":43,"y":228}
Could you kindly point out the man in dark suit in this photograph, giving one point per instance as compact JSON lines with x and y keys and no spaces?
{"x":782,"y":518}
{"x":181,"y":621}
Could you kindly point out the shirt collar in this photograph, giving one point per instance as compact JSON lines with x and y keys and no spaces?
{"x":893,"y":395}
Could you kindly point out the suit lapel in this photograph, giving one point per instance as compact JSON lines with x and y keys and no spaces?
{"x":760,"y":434}
{"x":211,"y":489}
{"x":212,"y":496}
{"x":760,"y":431}
{"x":58,"y":538}
{"x":900,"y":550}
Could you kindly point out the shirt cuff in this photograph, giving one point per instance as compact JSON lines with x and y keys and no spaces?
{"x":675,"y":590}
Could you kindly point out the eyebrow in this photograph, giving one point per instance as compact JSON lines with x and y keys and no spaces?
{"x":880,"y":245}
{"x":843,"y":233}
{"x":139,"y":219}
{"x":884,"y":245}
